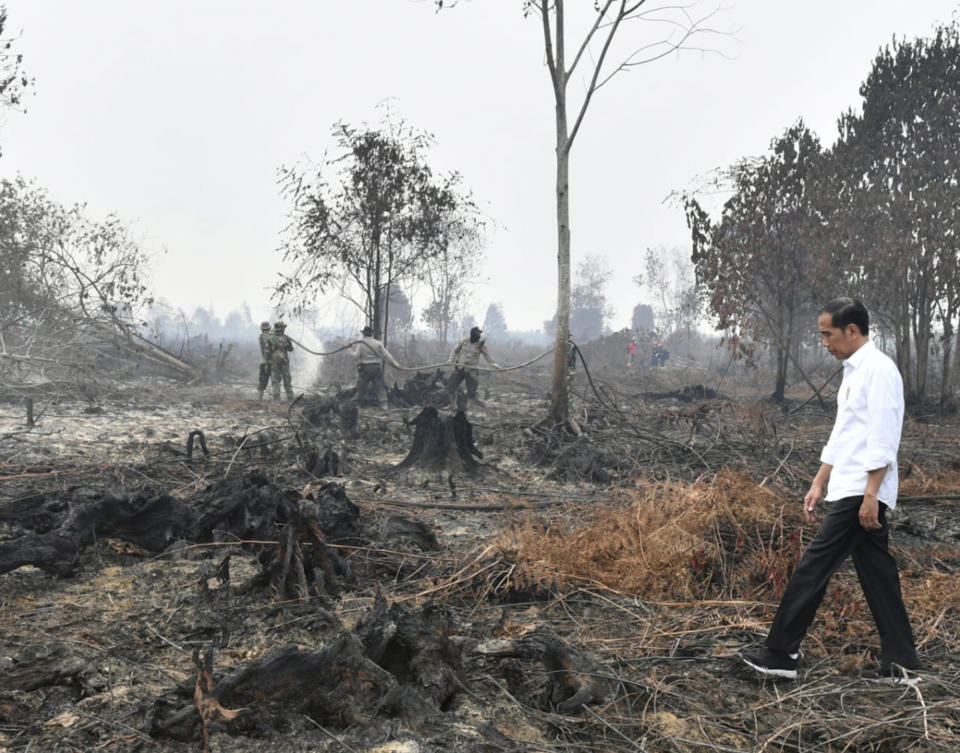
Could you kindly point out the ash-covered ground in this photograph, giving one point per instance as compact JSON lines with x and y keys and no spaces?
{"x":569,"y":594}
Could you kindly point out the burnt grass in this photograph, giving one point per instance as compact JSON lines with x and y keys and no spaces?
{"x":297,"y":591}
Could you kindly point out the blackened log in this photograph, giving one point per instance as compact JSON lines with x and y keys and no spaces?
{"x":150,"y":522}
{"x":38,"y":512}
{"x":573,"y":679}
{"x":414,"y":647}
{"x":337,"y":686}
{"x":49,"y":551}
{"x":45,"y":666}
{"x":243,"y":507}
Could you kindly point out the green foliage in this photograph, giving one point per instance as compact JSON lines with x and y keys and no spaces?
{"x":758,"y":263}
{"x":876,"y":216}
{"x":368,"y":219}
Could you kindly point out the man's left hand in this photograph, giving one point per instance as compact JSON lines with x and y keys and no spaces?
{"x":870,"y":513}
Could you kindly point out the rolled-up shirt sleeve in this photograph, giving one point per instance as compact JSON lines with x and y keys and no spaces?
{"x":828,"y":455}
{"x":884,"y":420}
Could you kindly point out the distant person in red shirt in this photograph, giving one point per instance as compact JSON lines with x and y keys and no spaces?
{"x":632,"y":350}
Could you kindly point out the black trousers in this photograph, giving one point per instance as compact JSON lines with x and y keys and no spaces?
{"x":264,"y":376}
{"x":840,"y":535}
{"x":370,"y":374}
{"x":461,"y":375}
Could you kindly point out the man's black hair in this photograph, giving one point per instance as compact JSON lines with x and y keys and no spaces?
{"x":844,"y":311}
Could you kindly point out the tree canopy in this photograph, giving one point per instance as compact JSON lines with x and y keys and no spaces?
{"x":367,"y":219}
{"x":875,"y":216}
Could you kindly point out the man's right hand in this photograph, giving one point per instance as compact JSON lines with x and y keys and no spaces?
{"x":810,"y":502}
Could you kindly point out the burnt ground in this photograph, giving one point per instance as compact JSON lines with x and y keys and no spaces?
{"x":574,"y":594}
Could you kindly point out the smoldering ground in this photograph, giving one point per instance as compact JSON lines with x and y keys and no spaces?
{"x":519,"y":605}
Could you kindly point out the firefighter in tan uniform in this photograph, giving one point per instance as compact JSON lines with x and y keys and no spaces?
{"x":465,"y":358}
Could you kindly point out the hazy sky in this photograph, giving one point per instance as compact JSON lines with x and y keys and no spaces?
{"x":175,"y":115}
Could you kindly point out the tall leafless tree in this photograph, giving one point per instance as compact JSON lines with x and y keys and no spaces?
{"x":605,"y":48}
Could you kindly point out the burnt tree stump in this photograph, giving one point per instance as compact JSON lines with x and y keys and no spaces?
{"x":414,"y":647}
{"x":442,"y":443}
{"x":425,"y":389}
{"x":396,"y":662}
{"x":573,"y":679}
{"x":336,"y":685}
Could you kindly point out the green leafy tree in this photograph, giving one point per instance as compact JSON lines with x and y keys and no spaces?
{"x":368,"y":219}
{"x":758,"y":262}
{"x":897,"y":212}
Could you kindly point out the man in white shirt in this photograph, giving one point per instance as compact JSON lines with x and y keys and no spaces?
{"x":859,"y":470}
{"x":371,"y":355}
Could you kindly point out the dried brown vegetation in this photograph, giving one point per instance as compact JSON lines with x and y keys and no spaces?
{"x":720,"y":537}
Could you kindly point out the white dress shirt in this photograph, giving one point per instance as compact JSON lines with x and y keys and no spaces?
{"x":866,"y":433}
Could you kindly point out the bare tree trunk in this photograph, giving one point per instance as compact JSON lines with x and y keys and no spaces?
{"x":559,"y":404}
{"x":946,"y":383}
{"x":386,"y":313}
{"x":956,"y":364}
{"x":780,"y":385}
{"x":375,"y":320}
{"x":558,"y":400}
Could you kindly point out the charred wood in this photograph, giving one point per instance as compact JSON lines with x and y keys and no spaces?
{"x":396,"y":663}
{"x":573,"y":679}
{"x":442,"y":443}
{"x":197,"y":434}
{"x":152,"y":522}
{"x":424,"y":389}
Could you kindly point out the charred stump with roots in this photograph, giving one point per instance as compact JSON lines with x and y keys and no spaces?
{"x":442,"y":443}
{"x":395,"y":662}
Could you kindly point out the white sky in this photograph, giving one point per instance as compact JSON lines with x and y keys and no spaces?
{"x":176,"y":115}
